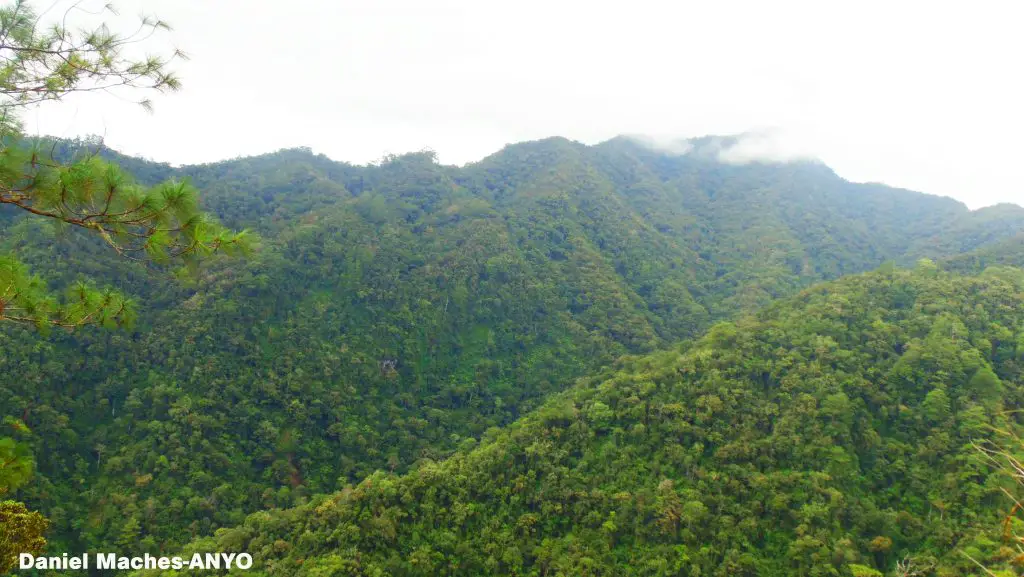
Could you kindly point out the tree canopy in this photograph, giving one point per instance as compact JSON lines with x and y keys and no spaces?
{"x":835,"y":433}
{"x":39,"y":62}
{"x":391,"y":386}
{"x":403,"y":310}
{"x":44,"y":62}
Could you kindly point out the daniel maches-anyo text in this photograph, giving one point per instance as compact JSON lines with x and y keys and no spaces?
{"x":147,"y":561}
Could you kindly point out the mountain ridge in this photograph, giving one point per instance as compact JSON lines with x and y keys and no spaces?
{"x":634,"y":140}
{"x":401,"y":310}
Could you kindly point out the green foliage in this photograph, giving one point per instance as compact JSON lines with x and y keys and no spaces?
{"x":831,"y":434}
{"x":400,"y":314}
{"x":85,"y":192}
{"x":1008,"y":252}
{"x":25,"y":298}
{"x":163,"y":222}
{"x":21,"y":531}
{"x":15,"y":464}
{"x":985,"y":386}
{"x":50,"y":62}
{"x":863,"y":571}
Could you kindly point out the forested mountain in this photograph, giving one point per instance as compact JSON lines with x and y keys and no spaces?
{"x":831,"y":434}
{"x":1008,"y":252}
{"x":400,"y":311}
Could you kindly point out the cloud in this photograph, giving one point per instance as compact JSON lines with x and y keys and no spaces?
{"x":768,"y":146}
{"x":673,"y":146}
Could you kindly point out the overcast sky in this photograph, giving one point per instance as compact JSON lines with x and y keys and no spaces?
{"x":922,"y":95}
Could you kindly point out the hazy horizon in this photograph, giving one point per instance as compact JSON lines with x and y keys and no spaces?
{"x":913,"y":95}
{"x":635,"y":137}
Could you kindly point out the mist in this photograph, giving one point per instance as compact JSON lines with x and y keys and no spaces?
{"x":765,"y":146}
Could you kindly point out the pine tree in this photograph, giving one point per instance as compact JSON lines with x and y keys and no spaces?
{"x":162,"y":223}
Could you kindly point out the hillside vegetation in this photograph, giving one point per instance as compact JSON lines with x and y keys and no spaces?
{"x":401,"y":311}
{"x":832,"y":434}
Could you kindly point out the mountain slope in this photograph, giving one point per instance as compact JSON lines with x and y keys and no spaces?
{"x":1008,"y":252}
{"x":399,"y":311}
{"x":829,"y":435}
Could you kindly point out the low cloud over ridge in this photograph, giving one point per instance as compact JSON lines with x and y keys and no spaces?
{"x":770,"y":146}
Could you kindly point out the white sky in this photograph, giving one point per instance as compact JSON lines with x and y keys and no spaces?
{"x":919,"y":94}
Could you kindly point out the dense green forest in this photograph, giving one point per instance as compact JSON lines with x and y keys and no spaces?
{"x":831,"y":434}
{"x":400,"y":313}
